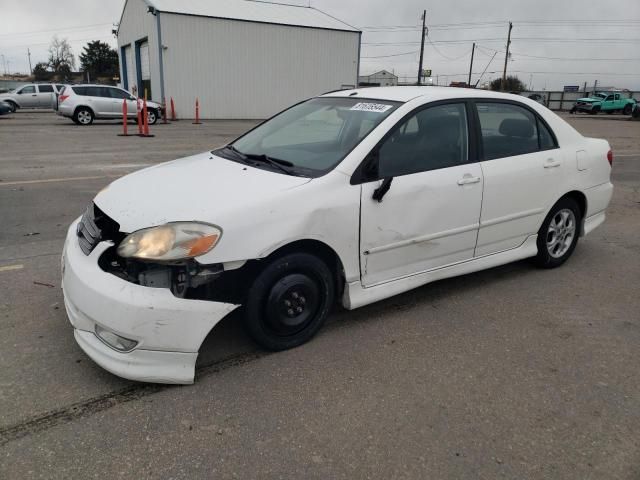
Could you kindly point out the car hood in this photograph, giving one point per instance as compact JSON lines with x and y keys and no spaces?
{"x":589,"y":100}
{"x":202,"y":187}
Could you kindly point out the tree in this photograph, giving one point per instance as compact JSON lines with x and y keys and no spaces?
{"x":41,"y":71}
{"x":98,"y":58}
{"x":61,"y":59}
{"x":511,"y":84}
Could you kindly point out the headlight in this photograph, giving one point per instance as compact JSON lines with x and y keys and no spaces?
{"x":173,"y":241}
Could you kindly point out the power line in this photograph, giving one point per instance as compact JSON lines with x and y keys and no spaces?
{"x":393,"y":55}
{"x":35,"y":32}
{"x":442,"y":54}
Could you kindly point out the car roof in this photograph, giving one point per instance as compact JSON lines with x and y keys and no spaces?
{"x":432,"y":93}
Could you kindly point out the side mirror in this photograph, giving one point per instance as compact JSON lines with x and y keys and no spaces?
{"x":381,"y":191}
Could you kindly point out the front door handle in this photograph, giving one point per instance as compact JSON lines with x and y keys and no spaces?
{"x":468,"y":179}
{"x":551,"y":163}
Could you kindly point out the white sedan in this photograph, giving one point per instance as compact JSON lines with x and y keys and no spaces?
{"x":350,"y":197}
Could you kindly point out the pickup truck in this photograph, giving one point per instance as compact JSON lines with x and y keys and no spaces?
{"x":608,"y":102}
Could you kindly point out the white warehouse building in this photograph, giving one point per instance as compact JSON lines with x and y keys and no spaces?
{"x":241,"y":59}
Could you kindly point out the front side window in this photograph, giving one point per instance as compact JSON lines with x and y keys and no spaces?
{"x":45,"y":88}
{"x":507,"y":130}
{"x":433,"y":138}
{"x":27,"y":89}
{"x":314,"y":136}
{"x":117,"y":93}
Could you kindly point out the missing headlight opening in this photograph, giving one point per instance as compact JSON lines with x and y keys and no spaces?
{"x":185,"y":279}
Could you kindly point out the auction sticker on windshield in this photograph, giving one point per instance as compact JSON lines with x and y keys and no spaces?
{"x":371,"y":107}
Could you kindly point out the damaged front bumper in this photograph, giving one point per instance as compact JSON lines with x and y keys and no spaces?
{"x":167,"y":330}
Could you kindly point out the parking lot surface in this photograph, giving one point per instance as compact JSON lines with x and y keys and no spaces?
{"x":513,"y":372}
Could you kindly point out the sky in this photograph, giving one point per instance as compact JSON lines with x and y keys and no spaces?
{"x":554,"y":42}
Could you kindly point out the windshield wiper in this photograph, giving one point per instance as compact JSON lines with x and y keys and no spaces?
{"x":234,"y":150}
{"x":274,"y":162}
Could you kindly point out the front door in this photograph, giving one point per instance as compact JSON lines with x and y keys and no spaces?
{"x":28,"y":96}
{"x":429,"y":216}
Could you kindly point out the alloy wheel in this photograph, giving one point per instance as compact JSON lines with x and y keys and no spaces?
{"x":561,"y":232}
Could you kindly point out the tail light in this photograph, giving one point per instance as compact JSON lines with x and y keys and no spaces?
{"x":610,"y":157}
{"x":62,"y":98}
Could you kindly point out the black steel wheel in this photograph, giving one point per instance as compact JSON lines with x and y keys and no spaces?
{"x":627,"y":109}
{"x":289,"y":301}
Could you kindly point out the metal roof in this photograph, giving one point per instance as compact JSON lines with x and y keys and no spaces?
{"x":253,"y":11}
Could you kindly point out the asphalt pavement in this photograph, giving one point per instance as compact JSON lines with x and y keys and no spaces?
{"x":513,"y":372}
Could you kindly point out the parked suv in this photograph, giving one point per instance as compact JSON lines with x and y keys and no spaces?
{"x":34,"y":95}
{"x":85,"y":103}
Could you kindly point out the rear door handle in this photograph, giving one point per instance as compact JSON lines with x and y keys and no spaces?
{"x":551,"y":163}
{"x":467,"y":179}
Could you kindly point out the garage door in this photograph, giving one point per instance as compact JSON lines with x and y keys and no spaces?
{"x":144,"y":61}
{"x":131,"y":68}
{"x":145,"y":73}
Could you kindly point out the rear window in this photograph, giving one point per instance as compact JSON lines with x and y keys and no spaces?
{"x":60,"y":88}
{"x":45,"y":88}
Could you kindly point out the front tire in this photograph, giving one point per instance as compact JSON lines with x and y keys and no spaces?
{"x":558,"y":235}
{"x":13,"y":106}
{"x":152,"y":117}
{"x":289,"y":301}
{"x":83,"y":116}
{"x":627,"y":109}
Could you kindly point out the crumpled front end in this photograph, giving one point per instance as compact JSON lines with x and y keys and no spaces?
{"x":134,"y":331}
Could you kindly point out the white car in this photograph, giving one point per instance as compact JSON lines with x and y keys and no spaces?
{"x":353,"y":196}
{"x":84,"y":103}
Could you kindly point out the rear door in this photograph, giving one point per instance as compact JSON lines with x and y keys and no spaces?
{"x":524,"y":174}
{"x":100,"y":101}
{"x":46,"y":96}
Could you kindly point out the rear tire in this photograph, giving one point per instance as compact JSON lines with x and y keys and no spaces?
{"x":83,"y":116}
{"x":289,"y":301}
{"x":558,"y":235}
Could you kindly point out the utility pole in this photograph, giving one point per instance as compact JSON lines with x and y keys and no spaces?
{"x":506,"y":58}
{"x":4,"y":62}
{"x":424,"y":23}
{"x":29,"y":55}
{"x":473,"y":49}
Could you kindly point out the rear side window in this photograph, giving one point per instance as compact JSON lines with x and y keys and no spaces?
{"x":45,"y":88}
{"x":80,"y":90}
{"x":547,"y":141}
{"x":507,"y":130}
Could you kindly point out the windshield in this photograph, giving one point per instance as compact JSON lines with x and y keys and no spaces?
{"x":600,"y":95}
{"x":314,"y":136}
